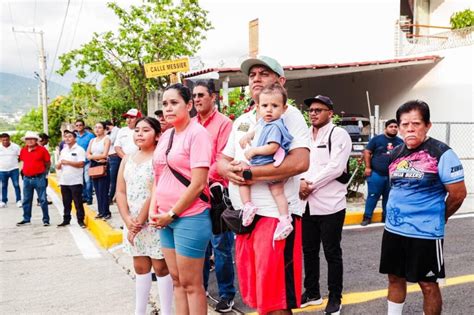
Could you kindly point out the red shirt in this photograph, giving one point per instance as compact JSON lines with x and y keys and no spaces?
{"x":34,"y":161}
{"x":219,"y":127}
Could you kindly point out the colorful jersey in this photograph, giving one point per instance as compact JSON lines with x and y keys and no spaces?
{"x":416,"y":204}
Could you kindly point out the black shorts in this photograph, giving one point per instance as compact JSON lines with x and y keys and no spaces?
{"x":415,"y":259}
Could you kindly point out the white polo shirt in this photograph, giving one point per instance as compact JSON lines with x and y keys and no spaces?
{"x":70,"y":175}
{"x":9,"y":157}
{"x":261,"y":195}
{"x":125,"y":140}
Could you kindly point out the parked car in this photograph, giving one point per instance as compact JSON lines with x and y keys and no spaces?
{"x":358,"y":128}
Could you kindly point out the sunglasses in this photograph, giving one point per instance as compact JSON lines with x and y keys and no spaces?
{"x":317,"y":110}
{"x":198,"y":95}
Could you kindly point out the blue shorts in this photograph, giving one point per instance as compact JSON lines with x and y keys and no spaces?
{"x":189,"y":236}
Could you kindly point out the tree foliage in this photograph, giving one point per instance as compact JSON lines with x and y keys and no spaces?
{"x":153,"y":31}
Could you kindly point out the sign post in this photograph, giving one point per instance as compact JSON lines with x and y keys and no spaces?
{"x":167,"y":67}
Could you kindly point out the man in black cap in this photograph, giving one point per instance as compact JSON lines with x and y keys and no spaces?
{"x":324,"y":187}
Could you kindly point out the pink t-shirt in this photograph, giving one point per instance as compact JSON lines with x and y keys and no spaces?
{"x":219,"y":127}
{"x":191,"y":148}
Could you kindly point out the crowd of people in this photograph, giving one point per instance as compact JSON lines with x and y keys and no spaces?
{"x":288,"y":181}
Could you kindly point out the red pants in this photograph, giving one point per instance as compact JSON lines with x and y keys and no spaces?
{"x":270,"y":273}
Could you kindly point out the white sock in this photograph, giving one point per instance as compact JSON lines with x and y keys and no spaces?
{"x":165,"y":293}
{"x":142,"y":292}
{"x":395,"y":308}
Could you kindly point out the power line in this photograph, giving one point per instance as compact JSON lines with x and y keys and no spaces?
{"x":59,"y":40}
{"x":16,"y":42}
{"x":77,"y":23}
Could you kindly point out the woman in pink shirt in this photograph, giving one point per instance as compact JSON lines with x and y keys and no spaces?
{"x":180,"y":208}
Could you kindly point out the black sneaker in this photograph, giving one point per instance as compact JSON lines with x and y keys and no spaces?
{"x":365,"y":221}
{"x":45,"y":223}
{"x":224,"y":306}
{"x":82,"y":225}
{"x":307,"y":300}
{"x":23,"y":223}
{"x":333,"y":307}
{"x":107,"y":217}
{"x":99,"y":216}
{"x":63,"y":224}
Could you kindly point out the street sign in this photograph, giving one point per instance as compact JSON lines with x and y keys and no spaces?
{"x":167,"y":67}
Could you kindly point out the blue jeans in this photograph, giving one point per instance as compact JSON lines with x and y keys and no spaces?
{"x":15,"y":176}
{"x":101,"y":187}
{"x":30,"y":184}
{"x":377,"y":186}
{"x":222,"y":246}
{"x":87,"y":188}
{"x":113,"y":165}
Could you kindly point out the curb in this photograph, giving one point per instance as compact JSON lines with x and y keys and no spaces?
{"x":356,"y":217}
{"x":105,"y":235}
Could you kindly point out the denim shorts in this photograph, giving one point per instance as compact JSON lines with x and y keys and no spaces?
{"x":189,"y":236}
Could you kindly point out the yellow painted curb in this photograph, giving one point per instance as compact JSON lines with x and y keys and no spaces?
{"x":356,"y":217}
{"x":105,"y":235}
{"x":362,"y":297}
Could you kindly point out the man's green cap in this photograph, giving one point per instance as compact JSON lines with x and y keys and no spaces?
{"x":268,"y":62}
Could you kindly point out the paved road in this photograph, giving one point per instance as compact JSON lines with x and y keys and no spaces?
{"x":50,"y":270}
{"x":361,"y":248}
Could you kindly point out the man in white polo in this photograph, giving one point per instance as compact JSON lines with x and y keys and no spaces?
{"x":71,"y":164}
{"x":124,"y":143}
{"x":9,"y":153}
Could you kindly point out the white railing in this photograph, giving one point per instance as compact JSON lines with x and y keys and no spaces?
{"x":407,"y":43}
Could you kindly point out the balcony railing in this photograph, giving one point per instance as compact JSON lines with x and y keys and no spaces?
{"x":407,"y":43}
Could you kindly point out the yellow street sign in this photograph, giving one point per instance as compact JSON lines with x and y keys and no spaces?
{"x":162,"y":68}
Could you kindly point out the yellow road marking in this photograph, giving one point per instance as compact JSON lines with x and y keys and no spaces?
{"x":361,"y":297}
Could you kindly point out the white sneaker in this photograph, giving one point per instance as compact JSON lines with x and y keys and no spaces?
{"x":19,"y":204}
{"x":2,"y":204}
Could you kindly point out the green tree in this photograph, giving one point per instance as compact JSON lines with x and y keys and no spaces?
{"x":156,"y":30}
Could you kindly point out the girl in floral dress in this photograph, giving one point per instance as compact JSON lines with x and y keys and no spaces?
{"x":142,"y":241}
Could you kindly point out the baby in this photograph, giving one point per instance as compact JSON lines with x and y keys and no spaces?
{"x":271,"y":147}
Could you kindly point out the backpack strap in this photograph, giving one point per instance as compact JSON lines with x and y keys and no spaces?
{"x":177,"y":174}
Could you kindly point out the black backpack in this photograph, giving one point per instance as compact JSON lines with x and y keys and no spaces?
{"x":345,"y":176}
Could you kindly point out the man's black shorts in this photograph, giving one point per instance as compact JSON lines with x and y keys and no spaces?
{"x":415,"y":259}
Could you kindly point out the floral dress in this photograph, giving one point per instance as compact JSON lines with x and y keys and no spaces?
{"x":139,"y":180}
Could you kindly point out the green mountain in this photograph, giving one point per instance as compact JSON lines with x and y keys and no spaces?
{"x":20,"y":94}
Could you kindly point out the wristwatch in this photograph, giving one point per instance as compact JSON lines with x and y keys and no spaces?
{"x":247,"y":174}
{"x":172,"y":215}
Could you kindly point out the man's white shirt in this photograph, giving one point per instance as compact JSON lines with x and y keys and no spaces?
{"x":329,"y":195}
{"x":9,"y":157}
{"x":125,"y":141}
{"x":261,"y":195}
{"x":113,"y":136}
{"x":70,"y":175}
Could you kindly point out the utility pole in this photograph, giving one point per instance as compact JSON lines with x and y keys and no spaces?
{"x":42,"y":77}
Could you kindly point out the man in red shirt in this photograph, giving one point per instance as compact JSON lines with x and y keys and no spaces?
{"x":36,"y":163}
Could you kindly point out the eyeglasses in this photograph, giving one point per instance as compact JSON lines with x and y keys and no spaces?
{"x":198,"y":95}
{"x":317,"y":110}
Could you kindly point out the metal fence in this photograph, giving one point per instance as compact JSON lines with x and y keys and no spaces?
{"x":459,"y":136}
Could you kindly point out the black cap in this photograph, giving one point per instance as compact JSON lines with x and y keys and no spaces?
{"x":320,"y":99}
